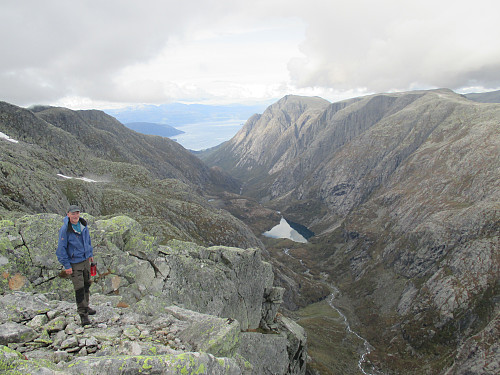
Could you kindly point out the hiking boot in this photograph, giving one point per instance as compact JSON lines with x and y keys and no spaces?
{"x":91,"y":311}
{"x":85,"y":320}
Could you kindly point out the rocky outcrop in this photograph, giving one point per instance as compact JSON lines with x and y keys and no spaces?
{"x":479,"y":353}
{"x":166,"y":307}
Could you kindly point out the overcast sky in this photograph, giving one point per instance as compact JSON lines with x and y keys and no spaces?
{"x":104,"y":54}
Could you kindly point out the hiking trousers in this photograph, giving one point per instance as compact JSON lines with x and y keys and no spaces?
{"x":81,"y":282}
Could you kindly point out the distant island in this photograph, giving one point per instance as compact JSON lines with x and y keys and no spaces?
{"x":154,"y":129}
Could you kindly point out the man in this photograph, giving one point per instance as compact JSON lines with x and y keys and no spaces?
{"x":75,"y":253}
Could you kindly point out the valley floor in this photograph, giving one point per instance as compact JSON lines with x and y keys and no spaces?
{"x":333,"y":348}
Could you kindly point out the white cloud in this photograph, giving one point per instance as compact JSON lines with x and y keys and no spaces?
{"x":219,"y":64}
{"x":399,"y":45}
{"x":102,"y":53}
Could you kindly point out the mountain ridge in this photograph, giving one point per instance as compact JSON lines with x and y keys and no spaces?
{"x":485,"y":97}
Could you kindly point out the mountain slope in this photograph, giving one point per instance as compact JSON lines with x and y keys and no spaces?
{"x":88,"y":158}
{"x":403,"y":191}
{"x":264,"y":138}
{"x":424,"y":245}
{"x":485,"y":97}
{"x":111,"y":140}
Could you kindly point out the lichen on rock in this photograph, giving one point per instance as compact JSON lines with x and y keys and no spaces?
{"x":174,"y":308}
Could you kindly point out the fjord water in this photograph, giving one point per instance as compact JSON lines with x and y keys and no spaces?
{"x":202,"y":135}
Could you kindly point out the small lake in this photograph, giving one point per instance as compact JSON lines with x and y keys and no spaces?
{"x":290,"y":230}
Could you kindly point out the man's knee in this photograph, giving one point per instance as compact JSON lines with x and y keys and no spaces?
{"x":80,"y":295}
{"x":86,"y":285}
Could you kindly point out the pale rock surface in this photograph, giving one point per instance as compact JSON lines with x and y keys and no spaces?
{"x":179,"y":308}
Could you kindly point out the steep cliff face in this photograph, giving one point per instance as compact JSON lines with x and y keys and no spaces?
{"x":402,"y":190}
{"x":448,"y":135}
{"x":433,"y":225}
{"x":262,"y":141}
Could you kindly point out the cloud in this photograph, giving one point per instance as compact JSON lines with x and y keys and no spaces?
{"x":91,"y":53}
{"x":399,"y":45}
{"x":77,"y":48}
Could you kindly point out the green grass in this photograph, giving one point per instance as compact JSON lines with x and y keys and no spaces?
{"x":332,"y":348}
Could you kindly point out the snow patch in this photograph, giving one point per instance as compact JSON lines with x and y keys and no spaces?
{"x":78,"y":178}
{"x":7,"y":138}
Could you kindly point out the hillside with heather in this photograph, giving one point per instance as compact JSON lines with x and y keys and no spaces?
{"x":63,"y":157}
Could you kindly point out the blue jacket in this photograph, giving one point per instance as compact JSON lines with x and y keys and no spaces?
{"x":70,"y":249}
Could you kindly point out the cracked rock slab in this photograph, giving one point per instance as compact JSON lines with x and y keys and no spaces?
{"x":15,"y":332}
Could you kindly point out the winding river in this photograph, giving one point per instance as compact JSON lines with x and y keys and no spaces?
{"x":367,"y":347}
{"x":335,"y":292}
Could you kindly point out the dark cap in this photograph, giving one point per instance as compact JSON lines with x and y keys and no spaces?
{"x":73,"y":208}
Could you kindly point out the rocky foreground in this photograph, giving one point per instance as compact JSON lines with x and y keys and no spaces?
{"x":175,"y":309}
{"x":42,"y":336}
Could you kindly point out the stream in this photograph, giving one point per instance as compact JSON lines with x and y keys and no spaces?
{"x":367,"y":347}
{"x":335,"y":292}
